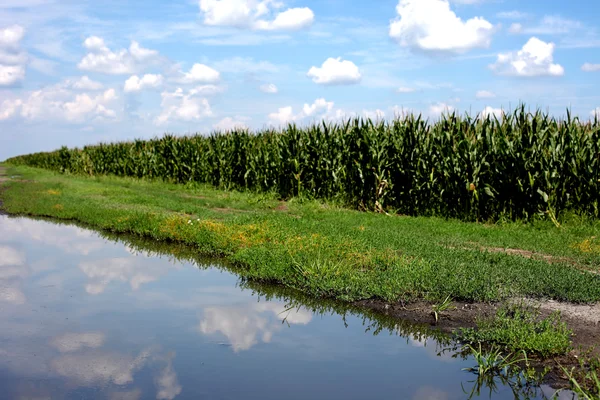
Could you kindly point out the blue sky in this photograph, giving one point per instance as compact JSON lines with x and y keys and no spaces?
{"x":75,"y":73}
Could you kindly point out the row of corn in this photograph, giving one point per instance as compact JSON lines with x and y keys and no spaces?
{"x":474,"y":168}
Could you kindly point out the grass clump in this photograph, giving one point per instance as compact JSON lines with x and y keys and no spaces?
{"x":519,"y":328}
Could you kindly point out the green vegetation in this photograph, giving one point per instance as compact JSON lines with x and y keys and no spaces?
{"x":585,"y":381}
{"x":519,"y":328}
{"x":325,"y":250}
{"x":511,"y":370}
{"x":519,"y":167}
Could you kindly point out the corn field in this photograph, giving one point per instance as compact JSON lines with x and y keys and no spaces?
{"x":474,"y":168}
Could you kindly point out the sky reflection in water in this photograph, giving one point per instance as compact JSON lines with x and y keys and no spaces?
{"x":85,"y":317}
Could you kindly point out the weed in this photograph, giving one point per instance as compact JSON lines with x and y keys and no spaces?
{"x":517,"y":327}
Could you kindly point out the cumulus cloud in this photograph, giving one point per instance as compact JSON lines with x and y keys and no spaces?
{"x":439,"y":109}
{"x":432,"y":26}
{"x":228,"y":124}
{"x":255,"y":15}
{"x":85,"y":83}
{"x":374,"y":114}
{"x":595,"y":113}
{"x":268,"y":88}
{"x":284,"y":115}
{"x":181,"y":106}
{"x":148,"y":81}
{"x":534,"y":59}
{"x":319,"y":109}
{"x":125,"y":61}
{"x":484,"y":94}
{"x":12,"y":58}
{"x":492,"y":112}
{"x":60,"y":102}
{"x":589,"y":67}
{"x":199,"y":73}
{"x":335,"y":71}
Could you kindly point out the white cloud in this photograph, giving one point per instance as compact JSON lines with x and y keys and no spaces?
{"x":12,"y":58}
{"x":534,"y":59}
{"x":12,"y":295}
{"x":320,"y":106}
{"x":136,"y":271}
{"x":251,"y":14}
{"x":199,"y":73}
{"x":11,"y":37}
{"x":136,"y":84}
{"x":125,"y":61}
{"x":85,"y":83}
{"x":492,"y":112}
{"x":10,"y":257}
{"x":284,"y":115}
{"x":588,"y":67}
{"x":512,"y":14}
{"x":269,"y":88}
{"x":207,"y":90}
{"x":431,"y":26}
{"x":595,"y":113}
{"x":70,"y":342}
{"x":167,"y":383}
{"x":245,"y":325}
{"x":374,"y":114}
{"x":10,"y":108}
{"x":228,"y":124}
{"x":60,"y":102}
{"x":439,"y":109}
{"x":97,"y":367}
{"x":484,"y":94}
{"x":84,"y":105}
{"x":335,"y":71}
{"x":404,"y":89}
{"x":180,"y":106}
{"x":320,"y":109}
{"x":515,"y":28}
{"x":292,"y":19}
{"x":11,"y":74}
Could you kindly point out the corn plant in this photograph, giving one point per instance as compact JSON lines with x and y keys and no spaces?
{"x":519,"y":166}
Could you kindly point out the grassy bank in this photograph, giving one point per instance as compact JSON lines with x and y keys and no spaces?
{"x":324,"y":250}
{"x":520,"y":166}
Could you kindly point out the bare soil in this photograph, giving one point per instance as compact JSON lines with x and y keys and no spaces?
{"x":583,"y":320}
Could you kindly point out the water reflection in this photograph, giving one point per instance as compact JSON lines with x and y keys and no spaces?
{"x":93,"y":315}
{"x":244,"y":325}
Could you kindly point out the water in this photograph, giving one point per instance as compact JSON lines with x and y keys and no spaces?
{"x":85,"y":316}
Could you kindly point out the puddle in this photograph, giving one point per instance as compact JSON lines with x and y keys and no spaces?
{"x":87,"y":315}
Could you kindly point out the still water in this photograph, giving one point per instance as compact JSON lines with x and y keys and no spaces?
{"x":85,"y":316}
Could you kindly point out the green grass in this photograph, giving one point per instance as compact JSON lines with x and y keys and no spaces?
{"x":324,"y":250}
{"x":520,"y":328}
